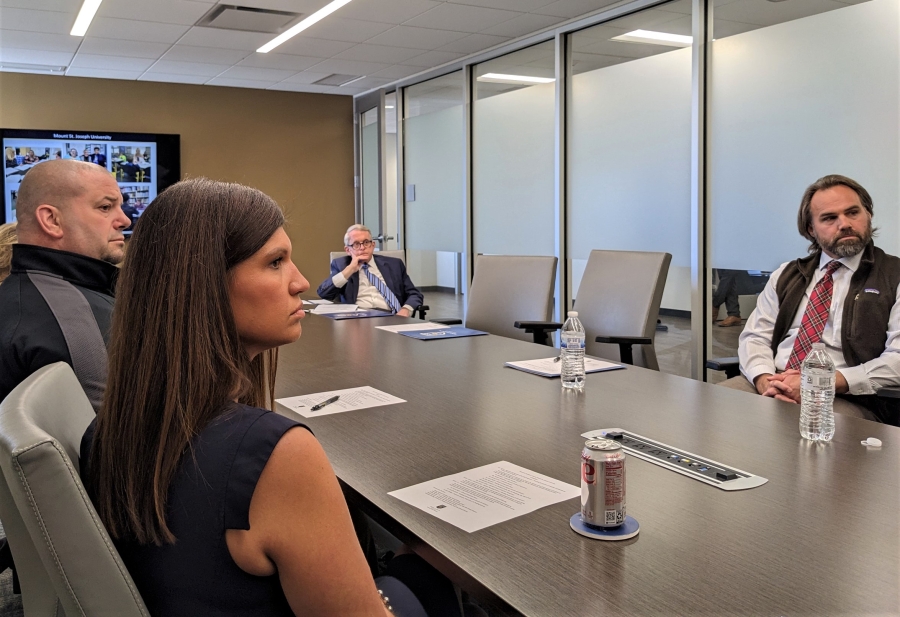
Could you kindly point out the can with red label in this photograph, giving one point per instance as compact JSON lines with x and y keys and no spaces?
{"x":602,"y":483}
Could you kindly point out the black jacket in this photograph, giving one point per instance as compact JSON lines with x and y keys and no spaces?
{"x":55,"y":306}
{"x":395,"y":277}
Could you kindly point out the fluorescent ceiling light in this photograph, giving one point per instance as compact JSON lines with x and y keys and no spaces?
{"x":315,"y":18}
{"x":656,"y":38}
{"x":501,"y":78}
{"x":388,"y":106}
{"x":85,"y":15}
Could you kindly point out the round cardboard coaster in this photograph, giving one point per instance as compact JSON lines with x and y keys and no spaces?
{"x":628,"y":529}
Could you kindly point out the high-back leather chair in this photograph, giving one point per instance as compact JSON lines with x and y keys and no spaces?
{"x":66,"y":562}
{"x":401,"y":255}
{"x":618,"y":300}
{"x":510,"y":288}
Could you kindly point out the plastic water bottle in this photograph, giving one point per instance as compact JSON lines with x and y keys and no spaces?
{"x":817,"y":395}
{"x":571,"y":349}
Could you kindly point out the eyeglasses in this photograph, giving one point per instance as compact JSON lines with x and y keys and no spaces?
{"x":361,"y":245}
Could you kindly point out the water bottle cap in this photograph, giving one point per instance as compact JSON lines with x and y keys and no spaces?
{"x":573,"y":313}
{"x":872,"y":441}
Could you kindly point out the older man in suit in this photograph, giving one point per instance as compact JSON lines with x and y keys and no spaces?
{"x":382,"y":284}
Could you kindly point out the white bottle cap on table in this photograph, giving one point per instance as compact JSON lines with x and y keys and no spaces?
{"x":872,"y":441}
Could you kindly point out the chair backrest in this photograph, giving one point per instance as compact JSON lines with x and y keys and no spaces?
{"x":401,"y":255}
{"x":66,"y":561}
{"x":619,"y":295}
{"x":510,"y":288}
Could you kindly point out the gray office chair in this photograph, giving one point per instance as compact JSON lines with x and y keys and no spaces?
{"x":420,"y":310}
{"x":618,"y":304}
{"x":509,"y":292}
{"x":66,"y":562}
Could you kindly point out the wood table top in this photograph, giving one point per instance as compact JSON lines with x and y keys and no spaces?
{"x":822,"y":537}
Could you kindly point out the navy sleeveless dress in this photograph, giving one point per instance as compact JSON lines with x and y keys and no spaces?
{"x":211,"y":492}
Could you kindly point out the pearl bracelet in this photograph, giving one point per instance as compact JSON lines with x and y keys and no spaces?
{"x":384,"y":600}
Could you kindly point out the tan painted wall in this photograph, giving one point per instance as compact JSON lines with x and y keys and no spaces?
{"x":296,"y":147}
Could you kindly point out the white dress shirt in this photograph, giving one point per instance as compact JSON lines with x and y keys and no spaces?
{"x":755,"y":347}
{"x":368,"y":296}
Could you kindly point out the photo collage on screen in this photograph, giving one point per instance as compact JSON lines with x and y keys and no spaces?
{"x":132,"y":163}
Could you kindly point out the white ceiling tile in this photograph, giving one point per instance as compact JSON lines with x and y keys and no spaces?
{"x":309,"y":46}
{"x":306,"y":77}
{"x":252,"y":72}
{"x":520,"y":26}
{"x":527,"y":6}
{"x":112,"y":28}
{"x":461,"y":18}
{"x":173,"y":78}
{"x":378,"y":53}
{"x":280,"y":61}
{"x":474,"y":43}
{"x":416,"y":38}
{"x":52,"y":22}
{"x":185,"y":12}
{"x":431,"y":59}
{"x":348,"y":67}
{"x":91,"y":61}
{"x":62,"y":6}
{"x":118,"y":47}
{"x":765,"y":13}
{"x":210,"y":55}
{"x":38,"y":40}
{"x":393,"y":12}
{"x":227,"y":39}
{"x":33,"y":56}
{"x":398,"y":72}
{"x":103,"y":73}
{"x":368,"y":83}
{"x":188,"y":68}
{"x":240,"y":83}
{"x":350,"y":30}
{"x":573,"y":8}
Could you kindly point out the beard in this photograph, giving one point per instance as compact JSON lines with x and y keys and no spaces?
{"x":848,"y":248}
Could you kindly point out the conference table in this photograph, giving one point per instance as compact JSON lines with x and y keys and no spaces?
{"x":821,"y":537}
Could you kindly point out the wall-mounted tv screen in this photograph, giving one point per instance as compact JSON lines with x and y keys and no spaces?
{"x":143,"y":164}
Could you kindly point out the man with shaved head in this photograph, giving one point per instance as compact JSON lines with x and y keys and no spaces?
{"x":57,"y":302}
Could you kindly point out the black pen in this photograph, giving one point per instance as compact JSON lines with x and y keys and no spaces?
{"x":323,"y":403}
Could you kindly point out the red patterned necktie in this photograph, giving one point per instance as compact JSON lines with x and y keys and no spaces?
{"x":813,"y":323}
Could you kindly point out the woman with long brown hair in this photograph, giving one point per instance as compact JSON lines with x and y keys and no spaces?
{"x":217,"y":505}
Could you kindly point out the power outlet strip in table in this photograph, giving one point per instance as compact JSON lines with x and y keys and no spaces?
{"x":680,"y":461}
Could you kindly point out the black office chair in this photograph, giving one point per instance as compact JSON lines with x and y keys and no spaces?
{"x":618,"y":304}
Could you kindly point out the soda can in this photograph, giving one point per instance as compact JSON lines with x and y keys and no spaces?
{"x":602,"y":483}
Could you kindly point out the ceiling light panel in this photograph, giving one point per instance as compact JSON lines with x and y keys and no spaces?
{"x":315,"y":18}
{"x":85,"y":17}
{"x":655,"y":38}
{"x":503,"y":78}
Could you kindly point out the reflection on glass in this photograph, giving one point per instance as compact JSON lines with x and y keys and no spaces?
{"x":629,"y":152}
{"x":798,"y":91}
{"x":370,"y":187}
{"x":434,"y":148}
{"x":513,"y":153}
{"x":390,"y":171}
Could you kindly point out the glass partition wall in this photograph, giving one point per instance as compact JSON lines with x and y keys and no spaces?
{"x":433,"y":191}
{"x":629,"y":155}
{"x":796,"y":93}
{"x":690,"y":127}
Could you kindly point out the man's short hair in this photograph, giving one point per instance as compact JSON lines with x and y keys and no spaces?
{"x":804,"y":216}
{"x":353,"y":228}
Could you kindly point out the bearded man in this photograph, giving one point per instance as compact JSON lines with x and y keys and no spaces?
{"x":844,"y":294}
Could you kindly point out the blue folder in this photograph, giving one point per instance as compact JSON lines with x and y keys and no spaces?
{"x":443,"y":333}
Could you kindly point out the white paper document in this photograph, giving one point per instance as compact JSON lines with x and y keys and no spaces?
{"x":317,"y":302}
{"x":323,"y":309}
{"x":350,"y":399}
{"x":546,"y":367}
{"x":425,"y":325}
{"x":485,"y":496}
